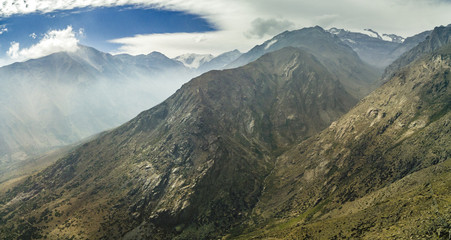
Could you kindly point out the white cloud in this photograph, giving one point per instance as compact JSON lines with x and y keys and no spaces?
{"x":81,"y":32}
{"x":13,"y":51}
{"x":52,"y":42}
{"x":267,"y":27}
{"x":33,"y":35}
{"x":3,"y":29}
{"x":174,"y":44}
{"x":235,"y":18}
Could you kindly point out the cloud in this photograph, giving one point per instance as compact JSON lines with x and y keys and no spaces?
{"x":52,"y":42}
{"x":174,"y":44}
{"x":81,"y":32}
{"x":243,"y":23}
{"x":3,"y":29}
{"x":33,"y":35}
{"x":13,"y":51}
{"x":261,"y":27}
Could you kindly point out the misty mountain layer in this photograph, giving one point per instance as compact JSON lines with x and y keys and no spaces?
{"x":64,"y":97}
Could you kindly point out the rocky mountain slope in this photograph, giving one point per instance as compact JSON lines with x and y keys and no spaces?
{"x":192,"y":167}
{"x":439,"y":37}
{"x":381,"y":171}
{"x":356,"y":76}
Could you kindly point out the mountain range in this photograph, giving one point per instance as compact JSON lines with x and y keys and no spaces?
{"x":72,"y":89}
{"x":193,"y":60}
{"x":64,"y":97}
{"x":287,"y":142}
{"x":355,"y":75}
{"x":375,"y":50}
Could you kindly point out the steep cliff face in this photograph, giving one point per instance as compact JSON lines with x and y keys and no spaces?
{"x":191,"y":167}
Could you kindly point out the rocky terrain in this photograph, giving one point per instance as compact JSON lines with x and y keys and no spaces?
{"x":357,"y":77}
{"x":363,"y":176}
{"x":275,"y":149}
{"x":437,"y":39}
{"x":192,"y":166}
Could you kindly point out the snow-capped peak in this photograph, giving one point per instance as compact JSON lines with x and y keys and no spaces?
{"x":193,"y":60}
{"x":370,"y":33}
{"x":336,"y":31}
{"x":393,"y":38}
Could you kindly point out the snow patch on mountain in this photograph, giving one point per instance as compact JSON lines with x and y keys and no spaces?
{"x":335,"y":31}
{"x":393,"y":38}
{"x":269,"y":44}
{"x":372,"y":33}
{"x":368,"y":32}
{"x":193,"y":60}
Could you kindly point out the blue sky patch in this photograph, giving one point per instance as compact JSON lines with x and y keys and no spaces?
{"x":99,"y":25}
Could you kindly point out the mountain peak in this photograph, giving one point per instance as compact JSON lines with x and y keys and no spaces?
{"x":193,"y":60}
{"x":336,"y":31}
{"x":392,"y":38}
{"x":370,"y":33}
{"x":156,"y":53}
{"x":235,"y":51}
{"x":328,"y":49}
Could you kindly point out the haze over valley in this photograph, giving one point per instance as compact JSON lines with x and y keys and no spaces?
{"x":171,"y":120}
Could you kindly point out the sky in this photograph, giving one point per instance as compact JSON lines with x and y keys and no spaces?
{"x":35,"y":28}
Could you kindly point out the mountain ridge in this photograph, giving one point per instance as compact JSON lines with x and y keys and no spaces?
{"x":375,"y":50}
{"x":358,"y":77}
{"x":169,"y":156}
{"x":438,"y":38}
